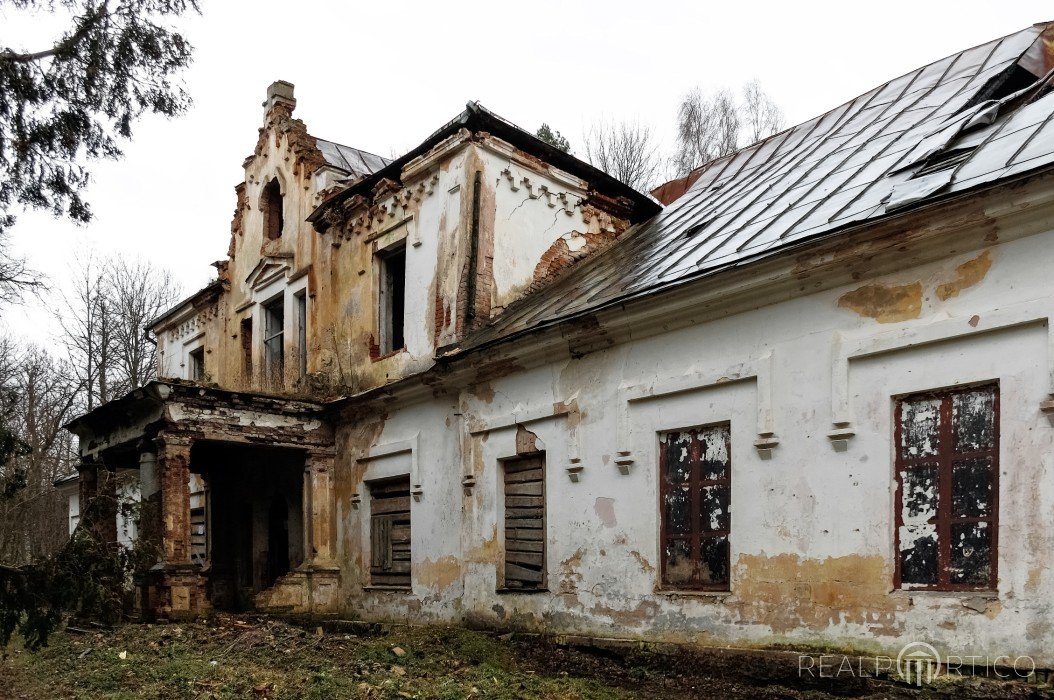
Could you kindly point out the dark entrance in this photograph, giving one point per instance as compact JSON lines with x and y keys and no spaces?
{"x":255,"y":518}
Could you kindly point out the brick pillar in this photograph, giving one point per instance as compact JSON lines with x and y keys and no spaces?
{"x":98,"y":500}
{"x":175,"y":587}
{"x":318,"y":510}
{"x":173,"y":473}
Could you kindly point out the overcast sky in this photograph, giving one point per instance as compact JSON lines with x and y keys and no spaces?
{"x":382,"y":76}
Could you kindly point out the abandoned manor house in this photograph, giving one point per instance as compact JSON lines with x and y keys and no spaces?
{"x":803,"y":395}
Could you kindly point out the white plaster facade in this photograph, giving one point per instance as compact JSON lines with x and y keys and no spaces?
{"x":802,"y":353}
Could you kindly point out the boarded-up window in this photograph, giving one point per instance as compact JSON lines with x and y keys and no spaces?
{"x":390,"y":532}
{"x":525,"y":522}
{"x":947,"y":489}
{"x":696,"y":493}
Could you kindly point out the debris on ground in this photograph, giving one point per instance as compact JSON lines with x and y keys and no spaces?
{"x":263,"y":658}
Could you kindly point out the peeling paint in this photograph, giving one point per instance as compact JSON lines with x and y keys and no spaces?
{"x":885,"y":304}
{"x":968,"y":274}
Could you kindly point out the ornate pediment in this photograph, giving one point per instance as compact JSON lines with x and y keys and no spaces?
{"x":270,"y":268}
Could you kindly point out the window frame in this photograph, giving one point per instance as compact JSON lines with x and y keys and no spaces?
{"x":196,"y":362}
{"x":373,"y":486}
{"x":697,"y":533}
{"x":944,"y":459}
{"x":274,"y":370}
{"x":300,"y":299}
{"x":387,"y":300}
{"x":541,"y":585}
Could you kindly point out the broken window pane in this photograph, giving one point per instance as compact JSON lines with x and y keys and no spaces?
{"x":696,"y":493}
{"x":947,"y":521}
{"x":680,"y":569}
{"x":678,"y":511}
{"x":714,"y":508}
{"x":678,"y":457}
{"x":920,"y":494}
{"x":971,"y":488}
{"x":714,"y":557}
{"x":971,"y":553}
{"x":918,"y":554}
{"x":973,"y":417}
{"x":713,"y":450}
{"x":920,"y":427}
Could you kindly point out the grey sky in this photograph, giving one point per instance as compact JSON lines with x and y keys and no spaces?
{"x":381,"y":77}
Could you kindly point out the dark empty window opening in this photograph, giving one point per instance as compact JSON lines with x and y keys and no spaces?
{"x":392,"y":299}
{"x":246,"y":335}
{"x":197,"y":364}
{"x":273,"y":213}
{"x":696,"y":492}
{"x":274,"y":336}
{"x":390,"y":532}
{"x":947,"y":471}
{"x":525,"y":522}
{"x":301,"y":333}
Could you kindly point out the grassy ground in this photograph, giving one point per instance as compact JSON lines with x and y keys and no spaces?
{"x":267,"y":659}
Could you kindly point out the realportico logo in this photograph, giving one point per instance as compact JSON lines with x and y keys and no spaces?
{"x":918,"y":663}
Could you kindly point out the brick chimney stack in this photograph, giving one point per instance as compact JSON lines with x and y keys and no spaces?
{"x":280,"y":92}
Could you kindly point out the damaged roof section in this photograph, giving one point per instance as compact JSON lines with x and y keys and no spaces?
{"x":477,"y":119}
{"x":356,"y":162}
{"x":966,"y":122}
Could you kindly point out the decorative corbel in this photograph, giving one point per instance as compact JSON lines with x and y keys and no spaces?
{"x":624,"y":462}
{"x":468,"y":482}
{"x":574,"y":469}
{"x":356,"y":499}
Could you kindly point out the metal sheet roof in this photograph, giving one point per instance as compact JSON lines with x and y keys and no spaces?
{"x":352,"y":160}
{"x":856,"y":163}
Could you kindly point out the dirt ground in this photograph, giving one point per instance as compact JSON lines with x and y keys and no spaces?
{"x":262,"y":659}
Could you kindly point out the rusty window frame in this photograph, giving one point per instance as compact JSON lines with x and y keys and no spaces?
{"x":695,"y":486}
{"x":944,"y":460}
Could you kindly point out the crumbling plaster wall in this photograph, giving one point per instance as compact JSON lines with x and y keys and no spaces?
{"x":812,"y":533}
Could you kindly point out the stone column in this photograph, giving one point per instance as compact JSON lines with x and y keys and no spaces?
{"x":318,"y":510}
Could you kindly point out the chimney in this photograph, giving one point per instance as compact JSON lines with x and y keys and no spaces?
{"x":279,"y":92}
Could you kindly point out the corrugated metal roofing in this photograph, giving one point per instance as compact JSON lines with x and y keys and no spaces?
{"x":352,"y":160}
{"x":858,"y":162}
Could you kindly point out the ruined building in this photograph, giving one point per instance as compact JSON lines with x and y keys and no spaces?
{"x":807,"y":399}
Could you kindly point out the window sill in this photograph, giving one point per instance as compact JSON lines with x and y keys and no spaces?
{"x":386,"y":356}
{"x":987,"y":594}
{"x":389,"y":589}
{"x":693,"y":594}
{"x":527,"y":591}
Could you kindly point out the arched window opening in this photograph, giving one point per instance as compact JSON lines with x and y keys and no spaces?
{"x":271,"y":204}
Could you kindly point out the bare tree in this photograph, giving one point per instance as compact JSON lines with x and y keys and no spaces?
{"x":761,"y":116}
{"x":627,"y":151}
{"x":42,"y":399}
{"x":138,"y":293}
{"x":82,"y":316}
{"x":104,"y":321}
{"x":16,"y":277}
{"x":713,"y":126}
